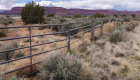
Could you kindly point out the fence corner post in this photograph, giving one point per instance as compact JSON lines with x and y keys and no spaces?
{"x":92,"y":30}
{"x":68,"y":38}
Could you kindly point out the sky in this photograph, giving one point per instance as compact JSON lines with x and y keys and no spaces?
{"x":130,"y":5}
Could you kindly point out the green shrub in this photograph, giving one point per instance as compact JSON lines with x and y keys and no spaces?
{"x":8,"y":55}
{"x":19,"y":54}
{"x":32,"y":13}
{"x":77,"y":15}
{"x":64,"y":67}
{"x":70,"y":51}
{"x":98,"y":15}
{"x":115,"y":15}
{"x":117,"y":34}
{"x":133,"y":15}
{"x":7,"y":16}
{"x":83,"y":50}
{"x":10,"y":22}
{"x":123,"y":15}
{"x":50,"y":15}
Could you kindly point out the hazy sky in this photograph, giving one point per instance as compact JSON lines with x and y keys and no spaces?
{"x":130,"y":5}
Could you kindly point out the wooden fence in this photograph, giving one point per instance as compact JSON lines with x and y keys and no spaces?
{"x":92,"y":25}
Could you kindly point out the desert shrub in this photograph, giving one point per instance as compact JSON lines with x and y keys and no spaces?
{"x":49,"y":19}
{"x":83,"y":50}
{"x":7,"y":16}
{"x":77,"y":15}
{"x":11,"y":78}
{"x":98,"y":15}
{"x":133,"y":15}
{"x":113,"y":74}
{"x":62,"y":20}
{"x":15,"y":78}
{"x":1,"y":77}
{"x":8,"y":55}
{"x":45,"y":22}
{"x":55,"y":28}
{"x":104,"y":78}
{"x":97,"y":22}
{"x":131,"y":26}
{"x":19,"y":54}
{"x":117,"y":34}
{"x":123,"y":15}
{"x":70,"y":52}
{"x":112,"y":19}
{"x":41,"y":28}
{"x":68,"y":16}
{"x":50,"y":15}
{"x":115,"y":15}
{"x":105,"y":20}
{"x":127,"y":19}
{"x":2,"y":33}
{"x":64,"y":67}
{"x":10,"y":22}
{"x":65,"y":28}
{"x":32,"y":13}
{"x":118,"y":23}
{"x":6,"y":21}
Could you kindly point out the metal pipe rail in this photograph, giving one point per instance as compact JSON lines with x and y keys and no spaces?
{"x":32,"y":55}
{"x":79,"y":28}
{"x":80,"y":39}
{"x":33,"y":36}
{"x":78,"y":45}
{"x":30,"y":46}
{"x":80,"y":21}
{"x":30,"y":36}
{"x":80,"y":33}
{"x":33,"y":26}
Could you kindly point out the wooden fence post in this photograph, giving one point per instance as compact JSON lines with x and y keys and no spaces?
{"x":92,"y":30}
{"x":102,"y":26}
{"x":30,"y":48}
{"x":68,"y":38}
{"x":121,"y":21}
{"x":83,"y":36}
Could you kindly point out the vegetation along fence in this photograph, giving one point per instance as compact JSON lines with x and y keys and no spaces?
{"x":92,"y":27}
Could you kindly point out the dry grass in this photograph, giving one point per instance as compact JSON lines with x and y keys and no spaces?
{"x":99,"y":54}
{"x":118,"y":61}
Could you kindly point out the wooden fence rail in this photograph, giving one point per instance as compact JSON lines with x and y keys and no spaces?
{"x":66,"y":32}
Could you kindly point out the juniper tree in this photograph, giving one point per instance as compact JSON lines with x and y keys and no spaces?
{"x":32,"y":13}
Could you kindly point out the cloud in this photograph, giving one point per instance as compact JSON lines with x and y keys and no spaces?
{"x":45,"y":3}
{"x":8,"y":4}
{"x":84,"y":4}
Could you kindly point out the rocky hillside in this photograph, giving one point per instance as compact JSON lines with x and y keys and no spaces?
{"x":64,"y":11}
